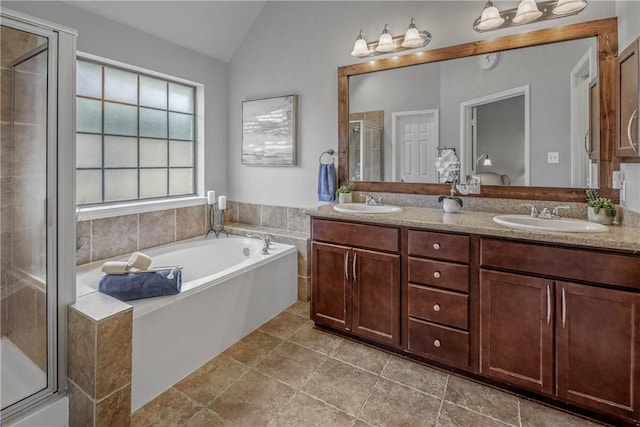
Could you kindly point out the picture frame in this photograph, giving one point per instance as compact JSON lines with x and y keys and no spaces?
{"x":269,"y":131}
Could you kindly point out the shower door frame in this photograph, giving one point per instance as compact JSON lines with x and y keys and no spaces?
{"x":60,"y":201}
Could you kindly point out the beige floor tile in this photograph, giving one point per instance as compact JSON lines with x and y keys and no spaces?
{"x":414,"y":375}
{"x":315,"y":339}
{"x":301,"y":309}
{"x":482,"y":399}
{"x":253,"y":400}
{"x":341,"y":385}
{"x":252,"y":348}
{"x":360,"y":423}
{"x":392,"y":404}
{"x":206,"y":418}
{"x":291,"y":364}
{"x":171,"y":408}
{"x":283,"y":325}
{"x":211,"y":379}
{"x":535,"y":415}
{"x":305,"y":411}
{"x":456,"y":416}
{"x":362,"y":356}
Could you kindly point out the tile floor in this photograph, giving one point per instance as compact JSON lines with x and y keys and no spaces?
{"x":289,"y":374}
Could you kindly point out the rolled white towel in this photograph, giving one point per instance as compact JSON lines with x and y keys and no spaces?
{"x":139,"y":260}
{"x":115,"y":267}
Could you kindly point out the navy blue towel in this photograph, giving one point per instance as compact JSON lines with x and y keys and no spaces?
{"x":326,"y":182}
{"x":130,"y":286}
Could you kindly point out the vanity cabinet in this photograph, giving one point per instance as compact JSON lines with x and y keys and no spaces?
{"x":540,"y":320}
{"x":628,"y":101}
{"x":438,"y":297}
{"x":355,"y":279}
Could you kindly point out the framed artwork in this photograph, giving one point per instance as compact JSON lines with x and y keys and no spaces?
{"x":269,"y":131}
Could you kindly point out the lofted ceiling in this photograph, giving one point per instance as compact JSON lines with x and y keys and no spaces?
{"x":213,"y":28}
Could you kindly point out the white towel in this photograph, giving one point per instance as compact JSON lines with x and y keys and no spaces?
{"x":139,"y":260}
{"x":115,"y":267}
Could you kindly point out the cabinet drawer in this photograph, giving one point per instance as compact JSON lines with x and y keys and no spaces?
{"x":451,"y":247}
{"x":439,"y":274}
{"x":439,"y":306}
{"x":439,"y":342}
{"x":360,"y":235}
{"x":567,"y":263}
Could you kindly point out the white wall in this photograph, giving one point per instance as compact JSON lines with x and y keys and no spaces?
{"x":108,"y":39}
{"x":628,"y":13}
{"x":296,"y":47}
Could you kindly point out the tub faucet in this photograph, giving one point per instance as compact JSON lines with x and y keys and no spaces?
{"x":265,"y":241}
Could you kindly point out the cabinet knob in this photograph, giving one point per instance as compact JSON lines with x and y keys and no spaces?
{"x":436,"y":307}
{"x":436,"y":274}
{"x":436,"y":343}
{"x":436,"y":246}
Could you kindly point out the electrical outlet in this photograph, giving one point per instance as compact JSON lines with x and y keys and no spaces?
{"x":553,"y":157}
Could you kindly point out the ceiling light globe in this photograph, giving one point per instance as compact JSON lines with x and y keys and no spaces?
{"x":360,"y":48}
{"x":385,"y":43}
{"x":527,"y":12}
{"x":565,"y":7}
{"x":490,"y":18}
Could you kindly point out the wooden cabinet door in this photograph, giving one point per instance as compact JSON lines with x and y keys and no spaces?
{"x":598,"y":348}
{"x":376,"y":296}
{"x":516,"y":330}
{"x":330,"y":285}
{"x":628,"y":101}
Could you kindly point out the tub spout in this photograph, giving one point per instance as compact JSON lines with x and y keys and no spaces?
{"x":265,"y":242}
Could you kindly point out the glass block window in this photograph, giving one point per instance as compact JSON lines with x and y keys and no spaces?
{"x":135,"y":135}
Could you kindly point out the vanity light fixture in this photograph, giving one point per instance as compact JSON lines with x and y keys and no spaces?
{"x":486,"y":161}
{"x":412,"y":39}
{"x":385,"y":44}
{"x":490,"y":17}
{"x":360,"y":48}
{"x":528,"y":11}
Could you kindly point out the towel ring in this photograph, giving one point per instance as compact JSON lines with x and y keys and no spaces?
{"x":330,"y":152}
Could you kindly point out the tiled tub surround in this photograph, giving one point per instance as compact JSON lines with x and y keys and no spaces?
{"x":289,"y":373}
{"x":110,"y":237}
{"x":99,"y":361}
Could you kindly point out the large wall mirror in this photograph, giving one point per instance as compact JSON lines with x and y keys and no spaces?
{"x":540,"y":105}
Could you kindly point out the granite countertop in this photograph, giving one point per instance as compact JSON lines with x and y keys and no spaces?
{"x":620,"y":238}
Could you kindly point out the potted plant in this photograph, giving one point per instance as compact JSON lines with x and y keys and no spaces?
{"x":343,"y":193}
{"x":600,"y":209}
{"x":451,"y":203}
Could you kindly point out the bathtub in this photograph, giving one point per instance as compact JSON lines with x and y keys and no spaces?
{"x":229,"y":289}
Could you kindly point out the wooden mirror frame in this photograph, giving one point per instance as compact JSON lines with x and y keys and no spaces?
{"x":606,"y":32}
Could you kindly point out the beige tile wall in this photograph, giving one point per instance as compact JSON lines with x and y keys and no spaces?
{"x":99,"y":368}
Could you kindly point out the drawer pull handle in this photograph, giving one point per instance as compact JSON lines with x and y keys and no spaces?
{"x":436,"y":274}
{"x":436,"y":246}
{"x":436,"y":343}
{"x":436,"y":307}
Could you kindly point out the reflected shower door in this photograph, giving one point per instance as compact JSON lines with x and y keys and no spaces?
{"x":26,"y":333}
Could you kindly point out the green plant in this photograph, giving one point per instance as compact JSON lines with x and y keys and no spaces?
{"x":597,"y":203}
{"x":79,"y":236}
{"x":344,"y":189}
{"x":452,"y":194}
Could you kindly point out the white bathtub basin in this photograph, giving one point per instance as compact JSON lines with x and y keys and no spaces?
{"x":564,"y":225}
{"x":361,"y":208}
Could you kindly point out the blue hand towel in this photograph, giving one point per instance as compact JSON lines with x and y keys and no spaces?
{"x":326,"y":182}
{"x":130,"y":286}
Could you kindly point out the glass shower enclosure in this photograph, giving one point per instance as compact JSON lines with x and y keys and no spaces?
{"x":31,"y":302}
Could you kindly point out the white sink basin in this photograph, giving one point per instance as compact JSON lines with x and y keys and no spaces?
{"x":361,"y":208}
{"x":564,"y":225}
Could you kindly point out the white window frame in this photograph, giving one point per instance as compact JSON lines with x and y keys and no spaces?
{"x":140,"y":206}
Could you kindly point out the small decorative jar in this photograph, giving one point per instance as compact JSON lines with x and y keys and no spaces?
{"x":601,"y":217}
{"x":450,"y":205}
{"x":345,"y":197}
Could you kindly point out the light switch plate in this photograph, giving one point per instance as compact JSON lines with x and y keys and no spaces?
{"x":553,"y":157}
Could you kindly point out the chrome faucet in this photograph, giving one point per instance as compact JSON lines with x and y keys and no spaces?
{"x":556,"y":211}
{"x":265,"y":241}
{"x":545,"y":214}
{"x":534,"y":211}
{"x":371,"y":201}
